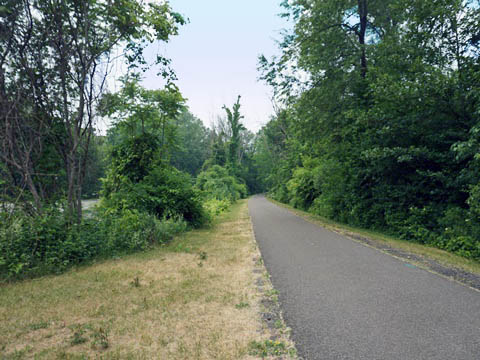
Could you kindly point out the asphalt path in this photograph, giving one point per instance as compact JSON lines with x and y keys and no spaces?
{"x":345,"y":300}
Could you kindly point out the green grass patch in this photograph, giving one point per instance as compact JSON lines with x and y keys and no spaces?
{"x":270,"y":348}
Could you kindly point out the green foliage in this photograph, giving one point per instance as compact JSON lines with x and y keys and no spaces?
{"x":95,"y":169}
{"x":235,"y":127}
{"x":242,"y":305}
{"x":34,"y":245}
{"x":49,"y":102}
{"x":215,"y":207}
{"x":191,"y":144}
{"x":165,"y":193}
{"x":380,"y":121}
{"x":217,"y":183}
{"x":301,"y":188}
{"x":136,"y":111}
{"x":131,"y":161}
{"x":138,"y":180}
{"x":270,"y":348}
{"x":232,"y":147}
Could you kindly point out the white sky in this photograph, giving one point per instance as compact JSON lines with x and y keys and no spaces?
{"x":215,"y":56}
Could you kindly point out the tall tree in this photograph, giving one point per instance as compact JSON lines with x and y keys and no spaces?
{"x":235,"y":127}
{"x":61,"y":51}
{"x":135,"y":111}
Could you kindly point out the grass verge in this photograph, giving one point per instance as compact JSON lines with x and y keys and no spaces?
{"x":441,"y":256}
{"x":195,"y":298}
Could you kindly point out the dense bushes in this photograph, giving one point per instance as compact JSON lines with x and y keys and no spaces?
{"x":35,"y":245}
{"x":323,"y":190}
{"x":144,"y":201}
{"x":164,"y":192}
{"x":217,"y":183}
{"x":138,"y":180}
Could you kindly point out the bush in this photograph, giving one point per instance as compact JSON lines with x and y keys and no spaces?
{"x":280,"y":193}
{"x":215,"y":207}
{"x":138,"y":180}
{"x":47,"y":243}
{"x":217,"y":183}
{"x":301,"y":189}
{"x":132,"y":230}
{"x":133,"y":158}
{"x":164,"y":192}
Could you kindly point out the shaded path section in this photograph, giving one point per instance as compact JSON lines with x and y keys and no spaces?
{"x":344,"y":300}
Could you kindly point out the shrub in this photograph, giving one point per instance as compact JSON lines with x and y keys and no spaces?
{"x":165,"y":192}
{"x":215,"y":207}
{"x":47,"y":243}
{"x":280,"y":193}
{"x":301,"y":189}
{"x":217,"y":183}
{"x":138,"y":180}
{"x":133,"y":159}
{"x":132,"y":230}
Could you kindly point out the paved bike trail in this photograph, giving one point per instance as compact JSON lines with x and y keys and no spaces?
{"x":344,"y":300}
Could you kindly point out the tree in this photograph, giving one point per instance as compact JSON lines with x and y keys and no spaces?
{"x":136,"y":111}
{"x":382,"y":103}
{"x":192,"y":144}
{"x":61,"y":52}
{"x":235,"y":128}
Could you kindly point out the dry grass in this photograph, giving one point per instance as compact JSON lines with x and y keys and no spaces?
{"x":174,"y":302}
{"x":443,"y":257}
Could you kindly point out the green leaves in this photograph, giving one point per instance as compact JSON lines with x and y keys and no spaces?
{"x":218,"y":183}
{"x":383,"y":132}
{"x":235,"y":128}
{"x":137,"y":111}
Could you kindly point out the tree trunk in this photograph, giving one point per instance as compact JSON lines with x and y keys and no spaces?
{"x":363,"y":13}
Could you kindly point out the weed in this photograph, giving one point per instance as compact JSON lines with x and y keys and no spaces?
{"x":278,"y":324}
{"x":100,"y":339}
{"x":78,"y":337}
{"x":136,"y":282}
{"x":202,"y":255}
{"x":182,"y":248}
{"x":270,"y":348}
{"x":242,"y":305}
{"x":272,"y":292}
{"x":40,"y":325}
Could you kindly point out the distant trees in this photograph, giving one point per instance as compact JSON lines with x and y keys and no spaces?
{"x":232,"y":146}
{"x":136,"y":111}
{"x":192,"y":144}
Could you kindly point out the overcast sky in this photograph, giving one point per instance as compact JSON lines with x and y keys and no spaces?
{"x":215,"y":56}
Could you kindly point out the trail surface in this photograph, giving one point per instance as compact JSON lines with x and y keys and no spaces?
{"x":344,"y":300}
